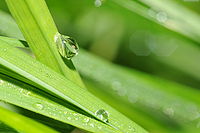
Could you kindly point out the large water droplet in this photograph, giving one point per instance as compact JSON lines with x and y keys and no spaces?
{"x":38,"y":106}
{"x":102,"y":114}
{"x":67,"y":46}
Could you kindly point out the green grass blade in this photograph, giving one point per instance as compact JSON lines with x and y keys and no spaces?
{"x":23,"y":124}
{"x":140,"y":90}
{"x":8,"y":26}
{"x":173,"y":20}
{"x":39,"y":30}
{"x":26,"y":96}
{"x":56,"y":84}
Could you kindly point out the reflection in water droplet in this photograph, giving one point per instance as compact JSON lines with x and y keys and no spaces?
{"x":38,"y":106}
{"x":67,"y":46}
{"x":162,"y":17}
{"x":102,"y":114}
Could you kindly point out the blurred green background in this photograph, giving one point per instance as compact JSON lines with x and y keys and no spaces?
{"x":161,"y":39}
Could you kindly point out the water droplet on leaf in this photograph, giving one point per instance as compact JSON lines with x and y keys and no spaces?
{"x":86,"y":120}
{"x":162,"y":17}
{"x":102,"y":114}
{"x":67,"y":46}
{"x":38,"y":106}
{"x":69,"y":118}
{"x":98,"y":3}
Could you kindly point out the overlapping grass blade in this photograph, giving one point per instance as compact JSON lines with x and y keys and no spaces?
{"x":23,"y":124}
{"x":140,"y":90}
{"x":55,"y":84}
{"x":8,"y":26}
{"x":39,"y":30}
{"x":29,"y":97}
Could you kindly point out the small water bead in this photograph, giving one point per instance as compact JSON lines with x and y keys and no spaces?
{"x":25,"y":92}
{"x":38,"y":106}
{"x":91,"y":124}
{"x":67,"y":46}
{"x":102,"y":114}
{"x":131,"y":129}
{"x":86,"y":120}
{"x":98,"y":3}
{"x":69,"y":118}
{"x":162,"y":17}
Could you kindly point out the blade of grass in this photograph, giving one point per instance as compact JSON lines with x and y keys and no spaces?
{"x":8,"y":26}
{"x":140,"y":90}
{"x":38,"y":28}
{"x":6,"y":129}
{"x":22,"y":123}
{"x":143,"y":118}
{"x":175,"y":21}
{"x":171,"y":60}
{"x":28,"y":97}
{"x":57,"y":85}
{"x":155,"y":83}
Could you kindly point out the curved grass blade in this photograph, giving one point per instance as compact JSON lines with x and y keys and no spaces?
{"x":39,"y":30}
{"x":173,"y":20}
{"x":28,"y":97}
{"x":140,"y":90}
{"x":56,"y":84}
{"x":8,"y":26}
{"x":22,"y":123}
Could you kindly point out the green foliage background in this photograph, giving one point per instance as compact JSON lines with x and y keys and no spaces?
{"x":141,"y":57}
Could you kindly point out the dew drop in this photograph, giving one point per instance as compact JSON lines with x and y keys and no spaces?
{"x":98,"y":3}
{"x":162,"y":17}
{"x":86,"y":120}
{"x":131,"y":129}
{"x":102,"y":114}
{"x":169,"y":111}
{"x":69,"y":118}
{"x":38,"y":106}
{"x":67,"y":46}
{"x":91,"y":124}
